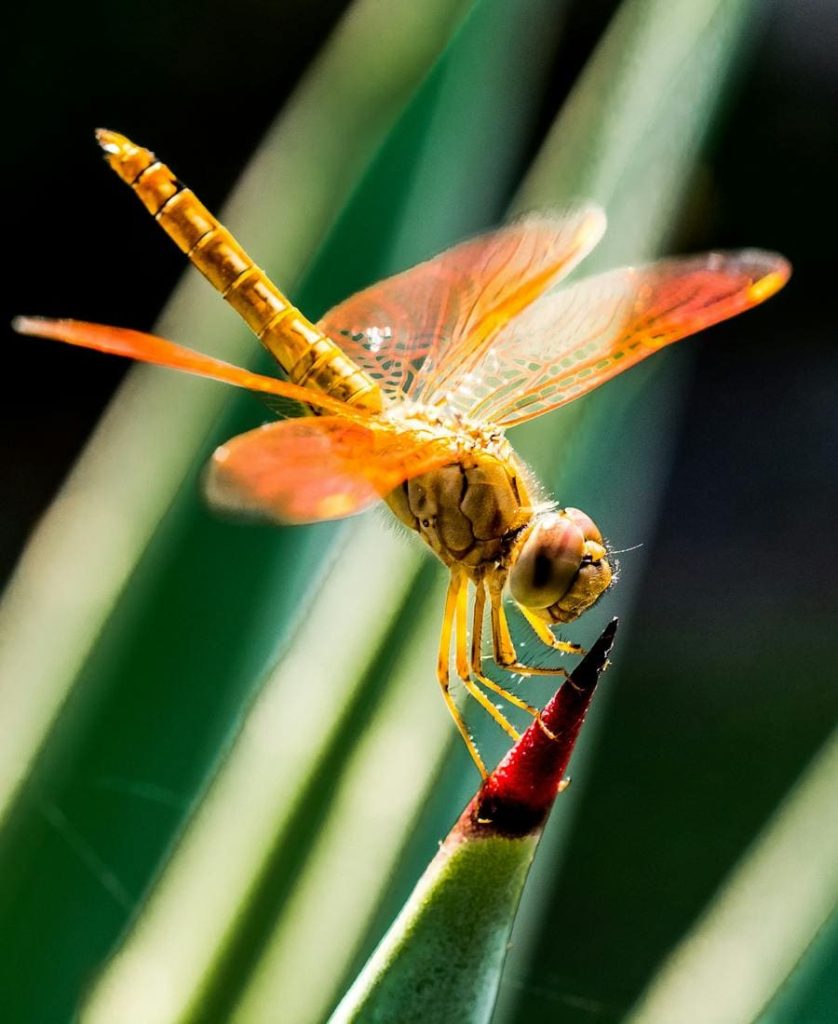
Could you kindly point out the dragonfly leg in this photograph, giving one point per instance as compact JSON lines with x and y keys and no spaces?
{"x":505,"y":654}
{"x":455,"y":587}
{"x":464,"y":668}
{"x":545,"y":634}
{"x":476,"y":657}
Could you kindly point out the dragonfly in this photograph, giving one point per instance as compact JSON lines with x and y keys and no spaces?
{"x":405,"y":391}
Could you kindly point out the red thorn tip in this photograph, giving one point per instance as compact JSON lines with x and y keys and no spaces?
{"x":518,"y":795}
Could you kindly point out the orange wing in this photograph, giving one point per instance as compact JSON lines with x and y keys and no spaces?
{"x":297,"y":471}
{"x":149,"y":348}
{"x":572,"y":340}
{"x":414,"y":330}
{"x":308,"y":470}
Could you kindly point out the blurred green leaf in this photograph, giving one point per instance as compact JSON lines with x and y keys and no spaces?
{"x":138,"y":620}
{"x":629,"y":136}
{"x":210,"y":606}
{"x":752,"y":937}
{"x":810,"y":993}
{"x":75,"y":568}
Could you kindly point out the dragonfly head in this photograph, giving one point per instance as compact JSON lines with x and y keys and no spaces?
{"x":559,"y":567}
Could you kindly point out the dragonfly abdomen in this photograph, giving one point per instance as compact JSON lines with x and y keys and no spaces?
{"x":304,"y":352}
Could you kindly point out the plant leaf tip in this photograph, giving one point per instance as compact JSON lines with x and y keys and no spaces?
{"x":516,"y":798}
{"x":596,"y":661}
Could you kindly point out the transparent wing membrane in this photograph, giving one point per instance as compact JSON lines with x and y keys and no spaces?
{"x":414,"y":331}
{"x":148,"y":348}
{"x":304,"y":471}
{"x":574,"y":339}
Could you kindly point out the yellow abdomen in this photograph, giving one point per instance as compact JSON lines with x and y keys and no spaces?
{"x":307,"y":356}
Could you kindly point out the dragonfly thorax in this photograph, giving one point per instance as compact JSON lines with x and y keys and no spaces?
{"x":470,"y":511}
{"x":441,"y":422}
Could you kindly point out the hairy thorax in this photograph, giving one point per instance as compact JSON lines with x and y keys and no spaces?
{"x":467,"y":512}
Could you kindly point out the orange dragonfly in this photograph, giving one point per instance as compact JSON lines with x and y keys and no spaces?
{"x":414,"y":382}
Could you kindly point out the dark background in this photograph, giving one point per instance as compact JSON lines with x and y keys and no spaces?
{"x":747,"y":545}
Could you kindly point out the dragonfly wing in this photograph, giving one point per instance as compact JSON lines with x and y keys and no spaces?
{"x":418,"y":327}
{"x":148,"y":348}
{"x":309,"y":470}
{"x":572,"y":340}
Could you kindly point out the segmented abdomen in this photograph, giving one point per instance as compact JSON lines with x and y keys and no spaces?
{"x":307,"y":355}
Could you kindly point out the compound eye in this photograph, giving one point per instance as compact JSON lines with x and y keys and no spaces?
{"x":548,"y":562}
{"x":590,"y":530}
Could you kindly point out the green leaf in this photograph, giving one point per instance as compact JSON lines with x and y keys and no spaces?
{"x":810,"y":992}
{"x":751,"y":939}
{"x":163,"y":646}
{"x":137,"y":628}
{"x":442,"y":958}
{"x":432,"y":154}
{"x":629,"y":136}
{"x":84,"y":552}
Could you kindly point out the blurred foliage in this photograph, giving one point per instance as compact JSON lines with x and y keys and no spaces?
{"x":139,"y":630}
